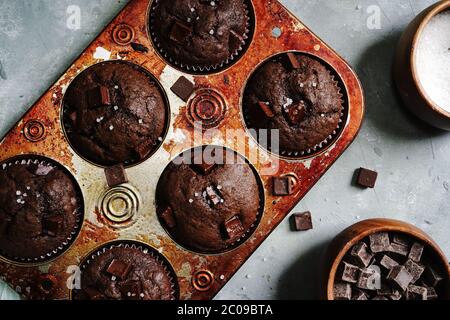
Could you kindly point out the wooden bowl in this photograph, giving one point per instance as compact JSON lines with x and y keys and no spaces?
{"x":355,"y":233}
{"x":405,"y":71}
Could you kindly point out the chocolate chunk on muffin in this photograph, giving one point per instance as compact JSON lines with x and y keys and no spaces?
{"x":40,"y":209}
{"x":198,"y":33}
{"x":115,"y":113}
{"x":209,"y":201}
{"x":298,"y":96}
{"x":125,"y":272}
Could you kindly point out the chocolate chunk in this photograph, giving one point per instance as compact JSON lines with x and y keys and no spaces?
{"x":369,"y":279}
{"x":379,"y":242}
{"x":433,"y":278}
{"x":367,"y":178}
{"x":415,"y":254}
{"x":388,"y":263}
{"x":431,"y":294}
{"x":234,"y":228}
{"x":342,"y":291}
{"x":168,"y":217}
{"x":116,"y":175}
{"x":350,"y":273}
{"x":94,"y":294}
{"x":281,"y":186}
{"x":131,"y":290}
{"x":98,"y":97}
{"x":361,"y":254}
{"x":139,"y":47}
{"x":213,"y":196}
{"x":293,"y":60}
{"x":200,"y":165}
{"x":399,"y":239}
{"x":379,"y":298}
{"x":180,"y":32}
{"x":387,"y":291}
{"x":416,"y":293}
{"x":52,"y":225}
{"x":265,"y":107}
{"x":183,"y":88}
{"x":359,"y":295}
{"x":303,"y":221}
{"x":295,"y":113}
{"x":399,"y":249}
{"x":416,"y":270}
{"x":119,"y":269}
{"x":400,"y":276}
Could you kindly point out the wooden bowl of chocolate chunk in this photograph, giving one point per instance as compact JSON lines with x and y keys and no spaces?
{"x":382,"y":259}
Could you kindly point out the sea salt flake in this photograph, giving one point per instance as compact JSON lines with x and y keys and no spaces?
{"x":111,"y":128}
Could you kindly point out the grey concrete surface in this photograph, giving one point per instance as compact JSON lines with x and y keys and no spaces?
{"x":412,"y":159}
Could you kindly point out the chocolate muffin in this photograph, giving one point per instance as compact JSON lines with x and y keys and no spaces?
{"x":298,"y":96}
{"x":40,"y":209}
{"x":209,"y":204}
{"x":199,"y":34}
{"x":126,"y":272}
{"x":115,"y":112}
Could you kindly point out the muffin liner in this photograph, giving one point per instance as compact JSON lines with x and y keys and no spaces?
{"x":334,"y":135}
{"x":203,"y":69}
{"x":132,"y":245}
{"x":56,"y":252}
{"x":250,"y":230}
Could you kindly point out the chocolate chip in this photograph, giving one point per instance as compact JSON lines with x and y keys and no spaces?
{"x":302,"y":221}
{"x":94,"y":294}
{"x":266,"y":109}
{"x":168,"y":217}
{"x":367,"y":178}
{"x":416,"y":293}
{"x":131,"y":290}
{"x":183,"y":88}
{"x":116,"y":175}
{"x":180,"y":32}
{"x":99,"y":97}
{"x":234,"y":228}
{"x":399,"y":249}
{"x":52,"y":225}
{"x":400,"y":276}
{"x":415,"y":254}
{"x":370,"y":278}
{"x":379,"y":242}
{"x":295,"y":113}
{"x":342,"y":291}
{"x":350,"y":273}
{"x":361,"y":254}
{"x":139,"y":47}
{"x":415,"y":269}
{"x":388,"y":263}
{"x":432,"y":276}
{"x":281,"y":186}
{"x":119,"y":269}
{"x":293,"y":60}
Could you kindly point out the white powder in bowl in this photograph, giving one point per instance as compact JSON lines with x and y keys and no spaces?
{"x":433,"y":60}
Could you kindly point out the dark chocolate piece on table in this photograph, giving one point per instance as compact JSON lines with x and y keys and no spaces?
{"x":168,"y":217}
{"x":400,"y":276}
{"x":388,"y":263}
{"x":119,"y":269}
{"x":415,"y":269}
{"x":416,"y":293}
{"x":180,"y":32}
{"x":293,"y":60}
{"x":183,"y":88}
{"x":379,"y":242}
{"x":281,"y":186}
{"x":416,"y":251}
{"x":302,"y":221}
{"x":367,"y":178}
{"x":116,"y":175}
{"x":361,"y":254}
{"x":399,"y":249}
{"x":350,"y":273}
{"x":52,"y":225}
{"x":234,"y":228}
{"x":432,"y":276}
{"x":342,"y":291}
{"x":98,"y":97}
{"x":266,"y":109}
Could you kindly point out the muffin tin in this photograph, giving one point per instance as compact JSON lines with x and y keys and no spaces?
{"x":125,"y":210}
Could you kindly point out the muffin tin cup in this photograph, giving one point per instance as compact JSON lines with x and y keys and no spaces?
{"x":65,"y":245}
{"x":343,"y":242}
{"x":199,"y":276}
{"x":203,"y":69}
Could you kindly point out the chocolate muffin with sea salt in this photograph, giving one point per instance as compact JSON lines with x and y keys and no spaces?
{"x":298,"y":96}
{"x":125,"y":272}
{"x":211,"y":205}
{"x":114,"y":112}
{"x":199,"y":34}
{"x":40,"y":209}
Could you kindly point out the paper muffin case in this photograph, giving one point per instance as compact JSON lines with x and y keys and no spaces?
{"x":202,"y":69}
{"x":331,"y":138}
{"x":158,"y":257}
{"x":64,"y":245}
